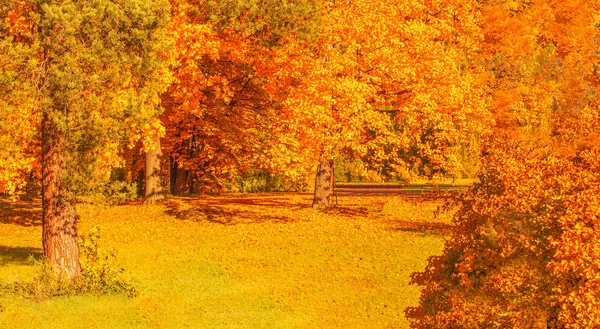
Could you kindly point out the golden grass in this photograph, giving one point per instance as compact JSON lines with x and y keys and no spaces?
{"x":239,"y":261}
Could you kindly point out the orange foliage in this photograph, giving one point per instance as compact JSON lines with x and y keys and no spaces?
{"x":525,"y":249}
{"x":386,"y":81}
{"x":540,"y":59}
{"x":219,"y":119}
{"x":19,"y":102}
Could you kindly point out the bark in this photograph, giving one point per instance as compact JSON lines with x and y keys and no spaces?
{"x":59,"y":232}
{"x":154,"y":190}
{"x":323,"y":185}
{"x":180,"y":180}
{"x":172,"y":175}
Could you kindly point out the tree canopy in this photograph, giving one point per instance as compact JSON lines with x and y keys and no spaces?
{"x":81,"y":79}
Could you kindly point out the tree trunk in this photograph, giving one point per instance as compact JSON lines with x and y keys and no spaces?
{"x":172,"y":175}
{"x":323,"y":185}
{"x":59,"y":232}
{"x":154,"y":190}
{"x":180,"y":180}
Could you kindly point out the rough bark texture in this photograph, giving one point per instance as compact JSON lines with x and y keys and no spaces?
{"x":323,"y":185}
{"x":154,"y":190}
{"x":59,"y":220}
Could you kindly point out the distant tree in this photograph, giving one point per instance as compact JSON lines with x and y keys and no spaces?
{"x":81,"y":76}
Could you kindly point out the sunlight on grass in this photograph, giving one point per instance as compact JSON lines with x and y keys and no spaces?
{"x":243,"y":261}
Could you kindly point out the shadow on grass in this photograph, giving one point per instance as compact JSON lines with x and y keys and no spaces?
{"x":264,"y":201}
{"x":21,"y":213}
{"x":437,"y":228}
{"x":348,"y":211}
{"x":18,"y":255}
{"x":219,"y":211}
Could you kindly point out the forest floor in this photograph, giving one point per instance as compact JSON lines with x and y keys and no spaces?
{"x":238,"y":261}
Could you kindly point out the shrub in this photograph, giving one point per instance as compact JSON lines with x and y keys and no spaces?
{"x":525,"y":251}
{"x":258,"y":181}
{"x":100,"y":275}
{"x":111,"y":193}
{"x":119,"y":191}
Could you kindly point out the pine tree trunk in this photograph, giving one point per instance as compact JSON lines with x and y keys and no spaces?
{"x":154,"y":190}
{"x":323,"y":185}
{"x":59,"y":232}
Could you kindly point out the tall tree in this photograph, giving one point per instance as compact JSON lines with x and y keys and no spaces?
{"x":220,"y":119}
{"x":524,"y":251}
{"x":94,"y":75}
{"x":386,"y":81}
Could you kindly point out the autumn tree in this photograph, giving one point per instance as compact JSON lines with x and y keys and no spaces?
{"x":524,"y":250}
{"x":220,"y":118}
{"x":385,"y":81}
{"x":87,"y":75}
{"x":18,"y":111}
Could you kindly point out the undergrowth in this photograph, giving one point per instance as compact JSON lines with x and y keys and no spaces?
{"x":111,"y":194}
{"x":99,"y":275}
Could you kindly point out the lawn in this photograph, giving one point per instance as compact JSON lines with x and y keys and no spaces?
{"x":238,"y":261}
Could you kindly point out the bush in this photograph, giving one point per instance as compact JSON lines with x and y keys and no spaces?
{"x":253,"y":182}
{"x":100,"y":275}
{"x":118,"y":191}
{"x":525,"y":251}
{"x":111,"y":193}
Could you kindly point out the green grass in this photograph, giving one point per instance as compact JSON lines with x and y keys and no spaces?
{"x":446,"y":184}
{"x":249,"y":261}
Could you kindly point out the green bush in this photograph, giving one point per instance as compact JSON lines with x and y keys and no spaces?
{"x":100,"y":273}
{"x":119,"y":191}
{"x":254,"y":182}
{"x":111,"y":193}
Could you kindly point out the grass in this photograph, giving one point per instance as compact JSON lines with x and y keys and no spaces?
{"x":238,"y":261}
{"x":418,"y":185}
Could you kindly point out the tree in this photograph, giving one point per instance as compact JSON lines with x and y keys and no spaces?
{"x":20,"y":123}
{"x":385,"y":81}
{"x":524,"y":253}
{"x":153,"y":187}
{"x":220,"y":118}
{"x":524,"y":250}
{"x":91,"y":72}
